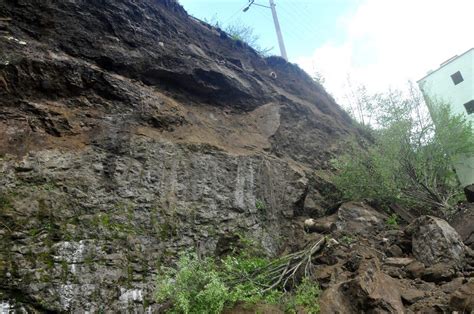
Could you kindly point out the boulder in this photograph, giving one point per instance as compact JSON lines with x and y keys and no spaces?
{"x":410,"y":295}
{"x":434,"y":241}
{"x":469,"y":192}
{"x":415,"y":269}
{"x":438,"y":273}
{"x":394,"y":251}
{"x":359,"y":218}
{"x":370,"y":291}
{"x":463,"y":298}
{"x":453,"y":285}
{"x":463,"y":222}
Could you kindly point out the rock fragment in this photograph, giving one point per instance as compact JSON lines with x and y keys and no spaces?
{"x":434,"y":241}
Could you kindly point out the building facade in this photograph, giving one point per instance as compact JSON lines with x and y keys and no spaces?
{"x":453,"y":83}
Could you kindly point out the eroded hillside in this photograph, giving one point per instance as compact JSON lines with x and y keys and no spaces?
{"x":131,"y":131}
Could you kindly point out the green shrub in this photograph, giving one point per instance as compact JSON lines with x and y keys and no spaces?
{"x":347,"y":240}
{"x":307,"y":295}
{"x":392,"y":221}
{"x":194,"y":287}
{"x":408,"y":160}
{"x":238,"y":31}
{"x":206,"y":286}
{"x":260,"y":205}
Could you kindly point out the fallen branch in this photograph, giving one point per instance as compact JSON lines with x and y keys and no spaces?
{"x":278,"y":273}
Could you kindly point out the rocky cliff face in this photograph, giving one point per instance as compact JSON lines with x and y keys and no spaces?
{"x":130,"y":131}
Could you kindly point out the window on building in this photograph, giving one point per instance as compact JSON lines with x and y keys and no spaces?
{"x":457,"y":78}
{"x":469,"y":106}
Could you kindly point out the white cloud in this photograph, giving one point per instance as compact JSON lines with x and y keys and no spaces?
{"x":388,"y":42}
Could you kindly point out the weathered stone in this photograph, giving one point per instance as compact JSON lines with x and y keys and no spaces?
{"x":434,"y":241}
{"x":453,"y":285}
{"x":415,"y":269}
{"x":412,"y":295}
{"x":438,"y":272}
{"x":463,"y":299}
{"x":370,"y":291}
{"x":469,"y":192}
{"x":357,"y":217}
{"x":130,"y":132}
{"x":394,"y":251}
{"x":398,"y":261}
{"x":463,"y":222}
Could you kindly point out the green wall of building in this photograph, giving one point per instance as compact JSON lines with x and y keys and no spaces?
{"x":440,"y":86}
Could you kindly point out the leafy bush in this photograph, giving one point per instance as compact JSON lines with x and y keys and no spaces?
{"x":206,"y":286}
{"x":238,"y":31}
{"x":194,"y":287}
{"x":409,"y":160}
{"x":307,"y":295}
{"x":347,"y":240}
{"x":392,"y":221}
{"x":260,"y":205}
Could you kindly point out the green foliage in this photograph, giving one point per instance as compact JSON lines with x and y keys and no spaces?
{"x":260,"y":205}
{"x":246,"y":34}
{"x":244,"y":265}
{"x":408,"y":159}
{"x":392,"y":221}
{"x":5,"y":202}
{"x":238,"y":31}
{"x":202,"y":285}
{"x":347,"y":240}
{"x":307,"y":295}
{"x":194,"y":287}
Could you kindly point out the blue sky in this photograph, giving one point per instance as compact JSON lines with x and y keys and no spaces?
{"x":306,"y":24}
{"x":378,"y":43}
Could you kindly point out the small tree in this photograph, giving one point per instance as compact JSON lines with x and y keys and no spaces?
{"x":245,"y":33}
{"x":410,"y":160}
{"x":241,"y":32}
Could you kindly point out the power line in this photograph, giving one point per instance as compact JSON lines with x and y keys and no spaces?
{"x":276,"y":23}
{"x":288,"y":32}
{"x":296,"y":32}
{"x":302,"y":24}
{"x":301,"y":13}
{"x":233,"y":15}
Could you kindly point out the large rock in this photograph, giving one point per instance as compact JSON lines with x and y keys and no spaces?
{"x":463,"y":222}
{"x":350,"y":218}
{"x":434,"y":242}
{"x":463,"y":298}
{"x":469,"y":191}
{"x":371,"y":291}
{"x":359,"y":218}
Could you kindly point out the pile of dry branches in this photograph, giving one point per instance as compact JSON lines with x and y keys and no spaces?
{"x":291,"y":267}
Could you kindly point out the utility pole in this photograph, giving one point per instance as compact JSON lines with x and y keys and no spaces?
{"x":281,"y":43}
{"x":277,"y":24}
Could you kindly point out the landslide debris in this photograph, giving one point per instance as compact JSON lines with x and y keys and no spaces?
{"x":378,"y":268}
